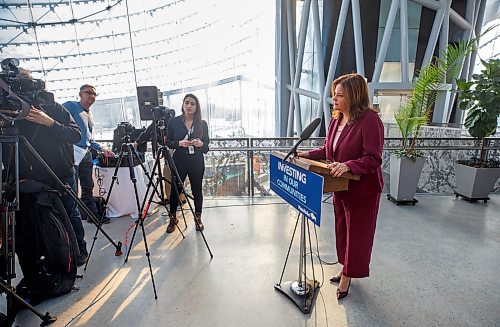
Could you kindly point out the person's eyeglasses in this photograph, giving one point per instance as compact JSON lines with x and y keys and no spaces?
{"x":90,"y":93}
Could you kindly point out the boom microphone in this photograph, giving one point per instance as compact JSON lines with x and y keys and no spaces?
{"x":306,"y":134}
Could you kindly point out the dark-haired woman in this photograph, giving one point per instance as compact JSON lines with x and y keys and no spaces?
{"x":188,"y":135}
{"x":354,"y":143}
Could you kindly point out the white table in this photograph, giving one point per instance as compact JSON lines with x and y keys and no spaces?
{"x":122,"y":200}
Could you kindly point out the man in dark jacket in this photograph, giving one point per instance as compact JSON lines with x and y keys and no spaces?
{"x":52,"y":132}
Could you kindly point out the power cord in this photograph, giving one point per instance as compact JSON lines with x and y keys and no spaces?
{"x":100,"y":182}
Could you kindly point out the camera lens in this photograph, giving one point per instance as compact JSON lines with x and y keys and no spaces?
{"x":8,"y":62}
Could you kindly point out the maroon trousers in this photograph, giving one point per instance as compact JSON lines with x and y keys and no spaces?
{"x":355,"y":222}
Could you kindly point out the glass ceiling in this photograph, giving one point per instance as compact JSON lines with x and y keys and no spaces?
{"x":117,"y":44}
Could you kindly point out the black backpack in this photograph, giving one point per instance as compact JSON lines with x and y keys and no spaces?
{"x":45,"y":244}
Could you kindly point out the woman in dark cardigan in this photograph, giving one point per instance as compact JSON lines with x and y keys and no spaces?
{"x":187,"y":134}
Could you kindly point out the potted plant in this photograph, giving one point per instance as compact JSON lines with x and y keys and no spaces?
{"x":407,"y":162}
{"x":480,"y":97}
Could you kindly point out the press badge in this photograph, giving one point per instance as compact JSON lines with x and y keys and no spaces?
{"x":191,"y":149}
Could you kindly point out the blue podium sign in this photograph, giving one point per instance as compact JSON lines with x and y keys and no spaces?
{"x":299,"y":187}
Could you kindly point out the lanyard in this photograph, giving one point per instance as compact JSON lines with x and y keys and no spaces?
{"x":190,"y":130}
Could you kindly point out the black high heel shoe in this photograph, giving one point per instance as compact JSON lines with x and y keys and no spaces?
{"x":340,"y":294}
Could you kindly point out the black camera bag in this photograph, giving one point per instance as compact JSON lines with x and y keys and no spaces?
{"x":45,"y":244}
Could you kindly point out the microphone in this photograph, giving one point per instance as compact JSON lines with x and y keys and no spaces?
{"x":306,"y":133}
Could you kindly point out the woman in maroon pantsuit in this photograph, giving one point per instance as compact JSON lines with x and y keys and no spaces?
{"x":353,"y":144}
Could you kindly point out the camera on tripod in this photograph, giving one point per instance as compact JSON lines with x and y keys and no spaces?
{"x":124,"y":129}
{"x":163,"y":114}
{"x":18,"y":88}
{"x":151,"y":105}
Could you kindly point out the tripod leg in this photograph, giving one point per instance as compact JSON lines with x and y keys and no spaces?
{"x":147,"y":174}
{"x":133,"y":178}
{"x":8,"y":234}
{"x":151,"y":184}
{"x":141,"y":212}
{"x":146,"y":204}
{"x":289,"y":249}
{"x":176,"y":183}
{"x":148,"y":257}
{"x":178,"y":195}
{"x":72,"y":193}
{"x":179,"y":188}
{"x":98,"y":223}
{"x":12,"y":298}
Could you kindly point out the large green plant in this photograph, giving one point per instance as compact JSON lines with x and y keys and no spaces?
{"x":411,"y":116}
{"x":481,"y":98}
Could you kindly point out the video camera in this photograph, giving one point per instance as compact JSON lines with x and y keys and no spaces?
{"x":124,"y":128}
{"x":18,"y":91}
{"x":151,"y":105}
{"x":163,"y":113}
{"x":126,"y":133}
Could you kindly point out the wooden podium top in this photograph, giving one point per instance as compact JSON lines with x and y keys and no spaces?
{"x":331,"y":184}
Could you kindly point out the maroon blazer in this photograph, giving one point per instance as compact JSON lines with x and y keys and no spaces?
{"x":359,"y":147}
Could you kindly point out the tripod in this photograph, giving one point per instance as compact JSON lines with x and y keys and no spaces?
{"x":7,"y":234}
{"x":128,"y":149}
{"x":177,"y":187}
{"x":8,"y":262}
{"x":71,"y":192}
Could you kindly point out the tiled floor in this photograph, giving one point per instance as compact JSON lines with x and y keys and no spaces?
{"x":433,"y":264}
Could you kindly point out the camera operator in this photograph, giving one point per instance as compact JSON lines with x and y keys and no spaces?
{"x":188,"y":135}
{"x":80,"y":110}
{"x":52,"y":131}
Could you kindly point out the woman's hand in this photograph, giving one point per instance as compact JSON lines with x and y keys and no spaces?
{"x":184,"y":143}
{"x":302,"y":154}
{"x":197,"y":143}
{"x":338,"y":168}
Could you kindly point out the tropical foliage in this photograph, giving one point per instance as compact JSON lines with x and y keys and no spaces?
{"x":481,"y":98}
{"x":434,"y":77}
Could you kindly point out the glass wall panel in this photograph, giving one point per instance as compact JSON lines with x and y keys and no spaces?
{"x":388,"y":102}
{"x":308,"y":107}
{"x":309,"y":79}
{"x":392,"y":73}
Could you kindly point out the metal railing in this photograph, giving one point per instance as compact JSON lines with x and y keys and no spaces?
{"x":240,"y":166}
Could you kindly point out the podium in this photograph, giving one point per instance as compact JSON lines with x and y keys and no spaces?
{"x":331,"y":184}
{"x":301,"y":182}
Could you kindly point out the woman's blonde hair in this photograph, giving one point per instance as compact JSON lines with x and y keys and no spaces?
{"x":355,"y":93}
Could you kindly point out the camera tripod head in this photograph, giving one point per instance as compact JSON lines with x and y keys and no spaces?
{"x":126,"y":138}
{"x":8,"y":127}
